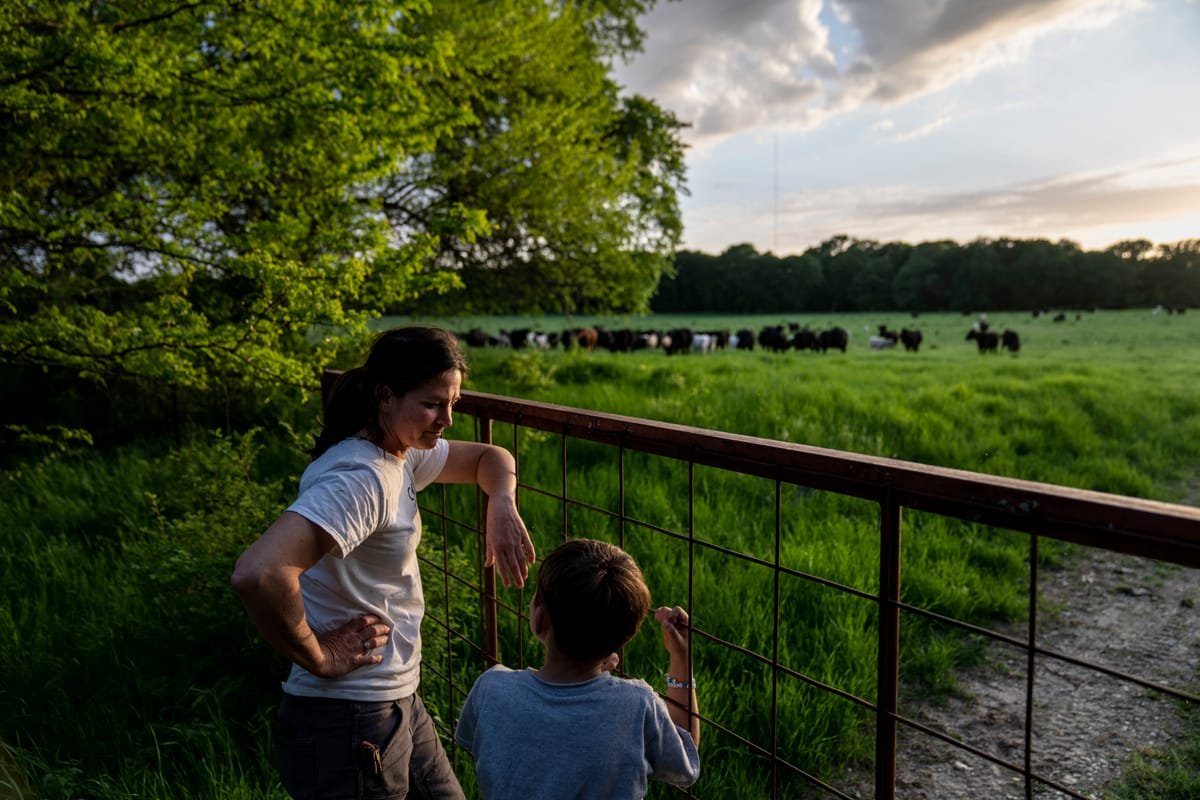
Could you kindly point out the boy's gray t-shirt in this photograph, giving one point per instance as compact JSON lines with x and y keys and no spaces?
{"x":600,"y":739}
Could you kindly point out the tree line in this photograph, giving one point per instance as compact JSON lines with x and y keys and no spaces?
{"x":849,"y":274}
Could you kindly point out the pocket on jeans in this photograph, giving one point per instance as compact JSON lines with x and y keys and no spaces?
{"x":385,"y":727}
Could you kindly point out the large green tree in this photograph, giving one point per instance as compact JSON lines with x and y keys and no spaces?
{"x":579,"y":185}
{"x":190,"y":192}
{"x":184,"y":187}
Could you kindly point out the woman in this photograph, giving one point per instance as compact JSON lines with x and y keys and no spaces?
{"x":333,"y":584}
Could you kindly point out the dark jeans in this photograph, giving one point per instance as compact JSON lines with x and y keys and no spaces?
{"x":329,"y":749}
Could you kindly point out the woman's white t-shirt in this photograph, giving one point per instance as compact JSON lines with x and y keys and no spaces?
{"x":366,"y":499}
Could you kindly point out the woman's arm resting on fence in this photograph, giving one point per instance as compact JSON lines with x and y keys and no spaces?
{"x":682,"y":705}
{"x":495,"y":471}
{"x":267,"y":577}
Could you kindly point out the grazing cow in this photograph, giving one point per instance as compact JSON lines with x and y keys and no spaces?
{"x":911,"y":338}
{"x":584,"y":338}
{"x":833,"y":338}
{"x":646,"y":340}
{"x":475,"y":337}
{"x":722,"y":336}
{"x":519,"y":338}
{"x":678,"y":340}
{"x":773,"y":338}
{"x":887,"y":333}
{"x":986,"y":340}
{"x":880,"y":342}
{"x":1010,"y":341}
{"x":618,"y":341}
{"x":745,"y":339}
{"x":704,"y":342}
{"x":805,"y":339}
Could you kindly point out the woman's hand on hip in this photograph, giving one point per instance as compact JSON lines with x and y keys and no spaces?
{"x":351,"y":645}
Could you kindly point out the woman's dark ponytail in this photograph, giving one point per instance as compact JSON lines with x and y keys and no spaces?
{"x":400,"y":359}
{"x":347,"y":409}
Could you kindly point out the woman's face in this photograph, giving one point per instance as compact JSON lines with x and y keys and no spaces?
{"x":418,"y":418}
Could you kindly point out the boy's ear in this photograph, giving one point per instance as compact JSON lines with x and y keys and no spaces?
{"x":610,"y":663}
{"x":539,"y":619}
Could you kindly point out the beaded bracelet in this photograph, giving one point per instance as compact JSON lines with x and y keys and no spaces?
{"x":674,"y":684}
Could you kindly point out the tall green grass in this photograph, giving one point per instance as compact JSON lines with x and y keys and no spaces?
{"x":1106,"y":402}
{"x":127,"y":667}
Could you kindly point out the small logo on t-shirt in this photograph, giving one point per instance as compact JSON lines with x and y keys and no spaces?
{"x":412,"y":493}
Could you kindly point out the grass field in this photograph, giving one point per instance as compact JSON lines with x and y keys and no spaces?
{"x":1105,"y":401}
{"x":127,"y":667}
{"x":1078,"y":405}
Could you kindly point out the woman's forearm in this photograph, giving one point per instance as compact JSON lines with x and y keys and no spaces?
{"x":496,"y":473}
{"x":274,"y":604}
{"x":267,"y":578}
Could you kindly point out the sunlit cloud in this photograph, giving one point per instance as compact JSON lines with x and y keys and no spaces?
{"x":912,"y":120}
{"x":728,"y":67}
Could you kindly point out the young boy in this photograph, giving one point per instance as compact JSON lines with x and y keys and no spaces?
{"x":572,"y":729}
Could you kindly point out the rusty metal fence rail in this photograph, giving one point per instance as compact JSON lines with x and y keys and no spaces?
{"x":1159,"y":531}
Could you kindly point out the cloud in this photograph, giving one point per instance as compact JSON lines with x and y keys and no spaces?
{"x":724,"y":66}
{"x":917,"y":133}
{"x":914,"y":47}
{"x":1075,"y":206}
{"x":728,"y":67}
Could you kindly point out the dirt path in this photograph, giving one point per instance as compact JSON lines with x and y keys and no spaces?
{"x":1129,"y":614}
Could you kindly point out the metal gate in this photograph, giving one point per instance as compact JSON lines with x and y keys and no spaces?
{"x":1153,"y":530}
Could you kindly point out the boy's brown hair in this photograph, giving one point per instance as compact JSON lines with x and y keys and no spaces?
{"x":595,"y":595}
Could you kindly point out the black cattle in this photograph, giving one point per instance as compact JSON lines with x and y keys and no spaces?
{"x":517,"y":339}
{"x":833,"y":338}
{"x":774,"y":338}
{"x":745,"y":339}
{"x":1010,"y":341}
{"x":618,"y":341}
{"x":678,"y":340}
{"x":887,"y":333}
{"x":805,"y":339}
{"x":986,"y":340}
{"x":474,"y":337}
{"x":911,"y":339}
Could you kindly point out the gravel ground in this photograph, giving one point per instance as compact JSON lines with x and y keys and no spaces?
{"x":1128,"y":614}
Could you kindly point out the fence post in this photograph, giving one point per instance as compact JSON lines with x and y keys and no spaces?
{"x":888,"y":670}
{"x":491,"y":633}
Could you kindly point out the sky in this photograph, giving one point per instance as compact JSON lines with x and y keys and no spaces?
{"x":919,"y":120}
